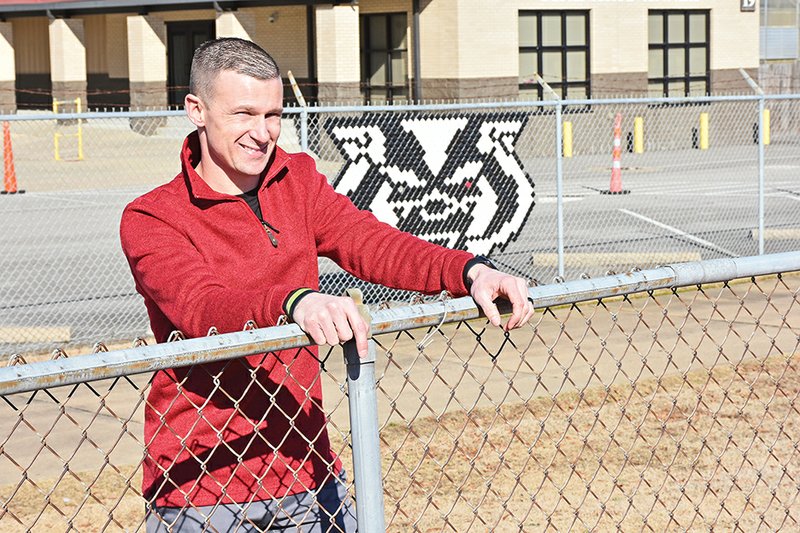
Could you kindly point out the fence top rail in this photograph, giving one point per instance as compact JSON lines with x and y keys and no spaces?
{"x":104,"y":365}
{"x":49,"y":115}
{"x":296,"y":110}
{"x":547,"y":103}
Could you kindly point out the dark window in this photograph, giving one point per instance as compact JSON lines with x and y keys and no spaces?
{"x":678,"y":53}
{"x":182,"y":39}
{"x":554,"y":44}
{"x":384,"y":58}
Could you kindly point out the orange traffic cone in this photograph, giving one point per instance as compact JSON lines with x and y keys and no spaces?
{"x":616,"y":166}
{"x":9,"y":174}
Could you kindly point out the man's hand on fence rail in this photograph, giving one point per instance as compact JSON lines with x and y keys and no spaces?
{"x":489,"y":284}
{"x":331,"y":320}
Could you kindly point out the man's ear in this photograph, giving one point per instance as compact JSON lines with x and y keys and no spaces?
{"x":194,"y":109}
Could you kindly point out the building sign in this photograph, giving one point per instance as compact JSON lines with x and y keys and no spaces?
{"x":748,"y":5}
{"x":451,"y":179}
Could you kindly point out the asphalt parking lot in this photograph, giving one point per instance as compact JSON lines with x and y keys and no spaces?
{"x":64,"y":279}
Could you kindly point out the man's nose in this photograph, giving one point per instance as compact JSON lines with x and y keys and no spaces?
{"x":260,"y":130}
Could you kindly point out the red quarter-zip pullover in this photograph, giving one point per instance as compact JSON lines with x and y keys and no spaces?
{"x":254,"y":428}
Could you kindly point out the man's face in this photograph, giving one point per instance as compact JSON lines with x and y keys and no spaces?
{"x":242,"y":121}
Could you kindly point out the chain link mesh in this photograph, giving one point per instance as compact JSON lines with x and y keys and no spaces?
{"x":675,"y":410}
{"x":65,"y":280}
{"x":670,"y":409}
{"x":73,"y":457}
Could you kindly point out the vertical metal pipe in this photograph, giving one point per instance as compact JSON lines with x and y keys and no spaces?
{"x":366,"y":442}
{"x":304,"y":129}
{"x":761,"y":104}
{"x":415,"y":51}
{"x":559,"y":191}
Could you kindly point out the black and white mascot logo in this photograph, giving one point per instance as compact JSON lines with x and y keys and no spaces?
{"x":452,"y":180}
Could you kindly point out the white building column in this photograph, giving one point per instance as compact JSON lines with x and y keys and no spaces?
{"x":8,"y":76}
{"x":68,"y":62}
{"x":147,"y":62}
{"x":236,"y":24}
{"x":338,"y":53}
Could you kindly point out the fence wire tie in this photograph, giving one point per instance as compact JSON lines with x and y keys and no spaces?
{"x":176,"y":335}
{"x":16,"y":359}
{"x":428,"y":338}
{"x":58,"y":353}
{"x":138,"y":342}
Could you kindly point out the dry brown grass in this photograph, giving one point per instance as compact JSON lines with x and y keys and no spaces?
{"x":655,"y":456}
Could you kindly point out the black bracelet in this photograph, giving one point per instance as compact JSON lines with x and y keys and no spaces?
{"x":293,"y":298}
{"x":477,"y":260}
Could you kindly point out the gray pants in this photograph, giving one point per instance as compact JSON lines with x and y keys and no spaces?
{"x":328,"y":509}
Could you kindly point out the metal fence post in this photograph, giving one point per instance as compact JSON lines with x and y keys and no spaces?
{"x":363,"y":403}
{"x":304,"y":129}
{"x":559,"y":190}
{"x":761,"y":101}
{"x":761,"y":105}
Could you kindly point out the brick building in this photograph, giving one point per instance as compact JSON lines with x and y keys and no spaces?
{"x":124,"y":53}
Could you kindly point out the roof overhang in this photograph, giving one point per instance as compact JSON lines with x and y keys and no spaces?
{"x":67,"y":8}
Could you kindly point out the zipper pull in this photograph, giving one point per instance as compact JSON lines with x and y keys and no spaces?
{"x":272,"y":238}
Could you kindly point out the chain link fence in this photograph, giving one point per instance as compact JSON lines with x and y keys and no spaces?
{"x":660,"y":399}
{"x":488,"y":177}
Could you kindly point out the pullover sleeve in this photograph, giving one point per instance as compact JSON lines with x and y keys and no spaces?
{"x":180,"y":289}
{"x":377,"y":252}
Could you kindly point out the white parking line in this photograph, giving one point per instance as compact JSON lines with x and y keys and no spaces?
{"x":683,"y":234}
{"x":777,"y":234}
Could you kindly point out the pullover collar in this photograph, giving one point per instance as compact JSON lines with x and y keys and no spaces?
{"x":199,"y":189}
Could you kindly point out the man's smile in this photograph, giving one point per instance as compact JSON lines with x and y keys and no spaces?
{"x":255,"y":150}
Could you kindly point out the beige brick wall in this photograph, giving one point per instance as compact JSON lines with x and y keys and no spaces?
{"x":337,"y":44}
{"x":117,"y":45}
{"x":31,"y":45}
{"x":7,"y":62}
{"x":735,"y":37}
{"x":236,"y":24}
{"x":94,"y":27}
{"x":463,"y":39}
{"x":618,"y":37}
{"x":67,"y":50}
{"x":385,"y":6}
{"x":439,"y":29}
{"x":286,"y":38}
{"x":488,"y":39}
{"x":147,"y":51}
{"x":189,"y":14}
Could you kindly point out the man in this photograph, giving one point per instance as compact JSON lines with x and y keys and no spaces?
{"x":234,"y":238}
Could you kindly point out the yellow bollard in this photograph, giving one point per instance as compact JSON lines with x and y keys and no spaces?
{"x":704,"y":131}
{"x":766,"y":127}
{"x":80,"y":129}
{"x":55,"y":145}
{"x":567,"y":139}
{"x":638,"y":135}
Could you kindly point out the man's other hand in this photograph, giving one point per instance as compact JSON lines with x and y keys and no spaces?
{"x":331,"y":320}
{"x":489,"y":284}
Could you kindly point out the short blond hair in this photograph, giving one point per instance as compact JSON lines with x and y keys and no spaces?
{"x":229,"y":53}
